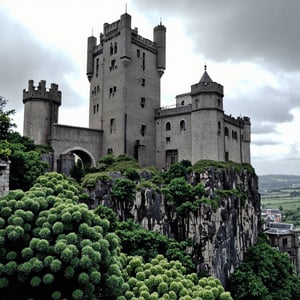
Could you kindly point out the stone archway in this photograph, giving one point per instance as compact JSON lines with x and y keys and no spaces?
{"x":67,"y":159}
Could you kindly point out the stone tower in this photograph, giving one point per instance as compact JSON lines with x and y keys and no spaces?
{"x":207,"y":118}
{"x":40,"y":111}
{"x":124,"y":71}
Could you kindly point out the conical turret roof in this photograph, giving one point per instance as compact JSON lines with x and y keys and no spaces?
{"x":205,"y":77}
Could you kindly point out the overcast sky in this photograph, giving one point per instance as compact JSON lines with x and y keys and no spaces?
{"x":250,"y":47}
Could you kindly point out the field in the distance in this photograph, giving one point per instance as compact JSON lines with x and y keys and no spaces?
{"x":281,"y":192}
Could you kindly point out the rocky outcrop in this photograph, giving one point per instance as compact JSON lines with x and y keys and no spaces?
{"x":219,"y":236}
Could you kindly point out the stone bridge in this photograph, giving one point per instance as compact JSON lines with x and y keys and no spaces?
{"x":67,"y":140}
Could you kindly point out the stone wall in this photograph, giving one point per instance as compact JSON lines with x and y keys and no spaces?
{"x":220,"y":237}
{"x":4,"y":176}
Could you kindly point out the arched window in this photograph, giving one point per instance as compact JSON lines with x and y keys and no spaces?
{"x":168,"y":126}
{"x":182,"y":125}
{"x":226,"y":131}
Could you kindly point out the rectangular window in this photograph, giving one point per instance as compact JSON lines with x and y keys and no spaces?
{"x":143,"y":81}
{"x":143,"y":102}
{"x":112,"y":65}
{"x":97,"y":107}
{"x":168,"y":139}
{"x":143,"y":130}
{"x":112,"y":125}
{"x":94,"y":109}
{"x":109,"y":151}
{"x":138,"y":52}
{"x":97,"y":67}
{"x":144,"y":61}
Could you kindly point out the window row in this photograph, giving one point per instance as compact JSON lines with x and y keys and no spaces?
{"x":112,"y":127}
{"x":95,"y":90}
{"x":234,"y":133}
{"x":181,"y":125}
{"x":96,"y":108}
{"x":143,"y":57}
{"x":113,"y":48}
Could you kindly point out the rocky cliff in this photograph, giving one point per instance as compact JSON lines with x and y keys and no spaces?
{"x":220,"y":235}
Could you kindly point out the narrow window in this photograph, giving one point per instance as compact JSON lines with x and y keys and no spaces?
{"x":284,"y":242}
{"x":143,"y":81}
{"x":138,"y":52}
{"x":112,"y":125}
{"x":97,"y":107}
{"x":226,"y":156}
{"x":219,"y":127}
{"x":111,"y":49}
{"x":196,"y":103}
{"x":110,"y":151}
{"x":168,"y":139}
{"x":226,"y":131}
{"x":143,"y":102}
{"x":97,"y":67}
{"x":112,"y":65}
{"x":115,"y":90}
{"x":182,"y":125}
{"x":168,"y":126}
{"x":143,"y":130}
{"x":182,"y":102}
{"x":98,"y":89}
{"x":115,"y":47}
{"x":144,"y":59}
{"x":94,"y":109}
{"x":110,"y":91}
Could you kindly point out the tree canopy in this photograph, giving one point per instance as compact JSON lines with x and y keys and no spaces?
{"x":265,"y":274}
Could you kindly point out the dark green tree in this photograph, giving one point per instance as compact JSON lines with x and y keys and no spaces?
{"x":77,"y":171}
{"x":6,"y":122}
{"x":265,"y":274}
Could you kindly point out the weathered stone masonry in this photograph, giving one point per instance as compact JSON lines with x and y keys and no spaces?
{"x":219,"y":237}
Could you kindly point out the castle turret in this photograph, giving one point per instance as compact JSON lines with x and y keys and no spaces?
{"x":92,"y":41}
{"x":207,"y":119}
{"x":40,"y":111}
{"x":159,"y":37}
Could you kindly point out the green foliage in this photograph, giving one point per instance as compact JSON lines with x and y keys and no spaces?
{"x":4,"y":149}
{"x":107,"y":160}
{"x":53,"y":247}
{"x":132,"y":174}
{"x":136,"y":240}
{"x":202,"y":165}
{"x":6,"y":122}
{"x":264,"y":274}
{"x":90,"y":179}
{"x":77,"y":171}
{"x":180,"y":169}
{"x":123,"y":190}
{"x":163,"y":279}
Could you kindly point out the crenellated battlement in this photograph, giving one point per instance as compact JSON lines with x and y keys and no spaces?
{"x":207,"y":87}
{"x":41,"y":93}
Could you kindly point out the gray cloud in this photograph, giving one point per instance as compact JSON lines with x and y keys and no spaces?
{"x":264,"y":31}
{"x":23,"y":57}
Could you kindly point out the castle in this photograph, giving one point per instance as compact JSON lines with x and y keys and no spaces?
{"x":125,"y":113}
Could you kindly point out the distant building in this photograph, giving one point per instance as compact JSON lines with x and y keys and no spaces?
{"x":271,"y":214}
{"x":125,"y":113}
{"x":286,"y":238}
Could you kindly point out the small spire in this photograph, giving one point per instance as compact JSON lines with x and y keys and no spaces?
{"x":126,"y":7}
{"x":92,"y":31}
{"x":205,"y":67}
{"x":160,"y":22}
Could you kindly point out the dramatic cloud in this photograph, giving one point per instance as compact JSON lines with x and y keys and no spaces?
{"x":23,"y":57}
{"x":263,"y":31}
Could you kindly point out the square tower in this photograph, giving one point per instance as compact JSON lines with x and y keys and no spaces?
{"x":124,"y":71}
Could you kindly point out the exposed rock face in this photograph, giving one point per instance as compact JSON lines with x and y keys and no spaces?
{"x":220,"y":237}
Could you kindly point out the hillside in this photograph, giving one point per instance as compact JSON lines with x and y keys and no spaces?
{"x":269,"y":183}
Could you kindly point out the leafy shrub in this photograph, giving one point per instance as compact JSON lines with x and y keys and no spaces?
{"x":66,"y":252}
